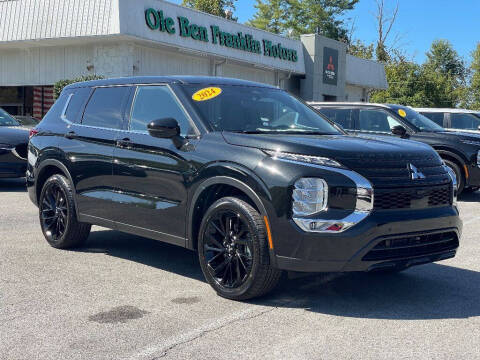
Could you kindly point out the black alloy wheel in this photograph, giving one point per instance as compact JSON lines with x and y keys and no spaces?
{"x":57,"y":214}
{"x":233,"y":250}
{"x":54,"y":212}
{"x":228,"y":248}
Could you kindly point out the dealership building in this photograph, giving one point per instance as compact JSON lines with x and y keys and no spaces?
{"x":44,"y":41}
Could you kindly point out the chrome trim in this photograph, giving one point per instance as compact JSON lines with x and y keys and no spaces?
{"x":14,"y":152}
{"x":64,"y":111}
{"x":453,"y":176}
{"x":363,"y":205}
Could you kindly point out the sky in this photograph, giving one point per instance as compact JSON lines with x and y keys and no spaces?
{"x":419,"y":23}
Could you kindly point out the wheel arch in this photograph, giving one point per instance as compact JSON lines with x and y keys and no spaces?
{"x":454,"y":157}
{"x":48,"y":168}
{"x":209,"y":190}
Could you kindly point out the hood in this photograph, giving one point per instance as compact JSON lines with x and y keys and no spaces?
{"x":384,"y":161}
{"x":13,"y":135}
{"x":332,"y":146}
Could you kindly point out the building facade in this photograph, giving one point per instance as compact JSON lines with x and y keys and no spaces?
{"x":44,"y":41}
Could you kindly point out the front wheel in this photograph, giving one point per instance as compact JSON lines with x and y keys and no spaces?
{"x":233,"y":251}
{"x":58,"y":217}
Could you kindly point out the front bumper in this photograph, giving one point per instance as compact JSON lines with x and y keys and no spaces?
{"x":413,"y":237}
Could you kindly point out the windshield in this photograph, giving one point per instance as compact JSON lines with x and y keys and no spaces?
{"x":6,"y":119}
{"x":418,"y":120}
{"x":251,"y":109}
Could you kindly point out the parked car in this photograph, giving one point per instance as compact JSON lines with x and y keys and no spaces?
{"x":453,"y":119}
{"x":27,"y":120}
{"x":459,"y":151}
{"x":13,"y":147}
{"x":252,"y":178}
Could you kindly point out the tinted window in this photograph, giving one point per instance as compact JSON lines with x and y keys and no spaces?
{"x":105,"y":107}
{"x":465,"y":121}
{"x":435,"y":117}
{"x":57,"y":108}
{"x":256,"y":110}
{"x":75,"y":106}
{"x":376,"y":120}
{"x":343,"y":117}
{"x":7,"y":120}
{"x":157,"y":102}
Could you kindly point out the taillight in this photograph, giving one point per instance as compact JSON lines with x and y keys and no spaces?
{"x":32,"y":133}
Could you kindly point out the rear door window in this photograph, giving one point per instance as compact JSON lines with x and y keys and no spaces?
{"x":343,"y":117}
{"x":76,"y":104}
{"x":436,"y":117}
{"x":105,"y":107}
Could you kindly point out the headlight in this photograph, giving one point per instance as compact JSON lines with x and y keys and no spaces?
{"x":308,"y":159}
{"x":453,"y":176}
{"x":471,"y":142}
{"x":309,"y":196}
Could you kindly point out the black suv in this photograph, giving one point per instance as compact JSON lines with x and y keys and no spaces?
{"x":459,"y":150}
{"x":245,"y":173}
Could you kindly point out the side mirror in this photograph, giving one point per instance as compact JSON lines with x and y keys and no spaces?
{"x":167,"y":128}
{"x":399,"y":130}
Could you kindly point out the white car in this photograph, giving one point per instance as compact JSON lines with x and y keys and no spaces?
{"x":454,"y":119}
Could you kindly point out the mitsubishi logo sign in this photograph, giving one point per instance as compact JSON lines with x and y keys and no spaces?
{"x":414,"y":173}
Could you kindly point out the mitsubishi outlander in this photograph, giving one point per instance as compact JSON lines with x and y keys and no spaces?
{"x":243,"y":173}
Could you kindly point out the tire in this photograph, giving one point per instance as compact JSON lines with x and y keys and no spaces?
{"x":238,"y":268}
{"x":57,"y":215}
{"x":458,"y":172}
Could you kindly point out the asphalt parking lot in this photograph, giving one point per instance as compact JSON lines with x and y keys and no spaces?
{"x":126,"y":297}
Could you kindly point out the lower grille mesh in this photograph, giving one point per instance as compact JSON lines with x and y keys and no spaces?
{"x":411,"y":246}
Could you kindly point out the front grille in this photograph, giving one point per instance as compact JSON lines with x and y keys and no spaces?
{"x":412,"y":198}
{"x":388,"y":170}
{"x":411,"y":246}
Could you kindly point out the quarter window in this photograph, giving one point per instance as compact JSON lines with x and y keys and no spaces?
{"x":76,"y":103}
{"x":105,"y":107}
{"x":157,"y":102}
{"x":465,"y":121}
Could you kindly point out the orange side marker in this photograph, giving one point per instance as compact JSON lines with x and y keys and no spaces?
{"x":466,"y":171}
{"x":269,"y":233}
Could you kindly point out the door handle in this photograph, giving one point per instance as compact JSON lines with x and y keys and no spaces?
{"x":71,"y":135}
{"x":124,"y":143}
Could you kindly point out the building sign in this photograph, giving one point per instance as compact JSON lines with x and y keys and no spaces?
{"x":330,"y":66}
{"x":156,"y":20}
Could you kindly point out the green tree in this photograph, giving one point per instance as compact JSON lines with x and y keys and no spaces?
{"x":475,"y":79}
{"x":271,"y":16}
{"x":360,"y":49}
{"x":445,"y":76}
{"x":222,"y":8}
{"x":297,"y":17}
{"x":59,"y":85}
{"x":405,"y":85}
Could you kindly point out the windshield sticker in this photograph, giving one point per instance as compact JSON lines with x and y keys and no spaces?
{"x":206,"y":94}
{"x":402,"y":113}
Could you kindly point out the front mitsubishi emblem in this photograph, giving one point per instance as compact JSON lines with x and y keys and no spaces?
{"x":414,"y":173}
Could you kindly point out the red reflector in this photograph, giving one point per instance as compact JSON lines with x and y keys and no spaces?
{"x":33,"y":132}
{"x":334,"y":227}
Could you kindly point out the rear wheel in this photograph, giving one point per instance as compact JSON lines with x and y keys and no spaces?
{"x":458,"y":173}
{"x":58,"y":217}
{"x":233,"y":251}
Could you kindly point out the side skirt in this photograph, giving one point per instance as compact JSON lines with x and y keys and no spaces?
{"x":134,"y":230}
